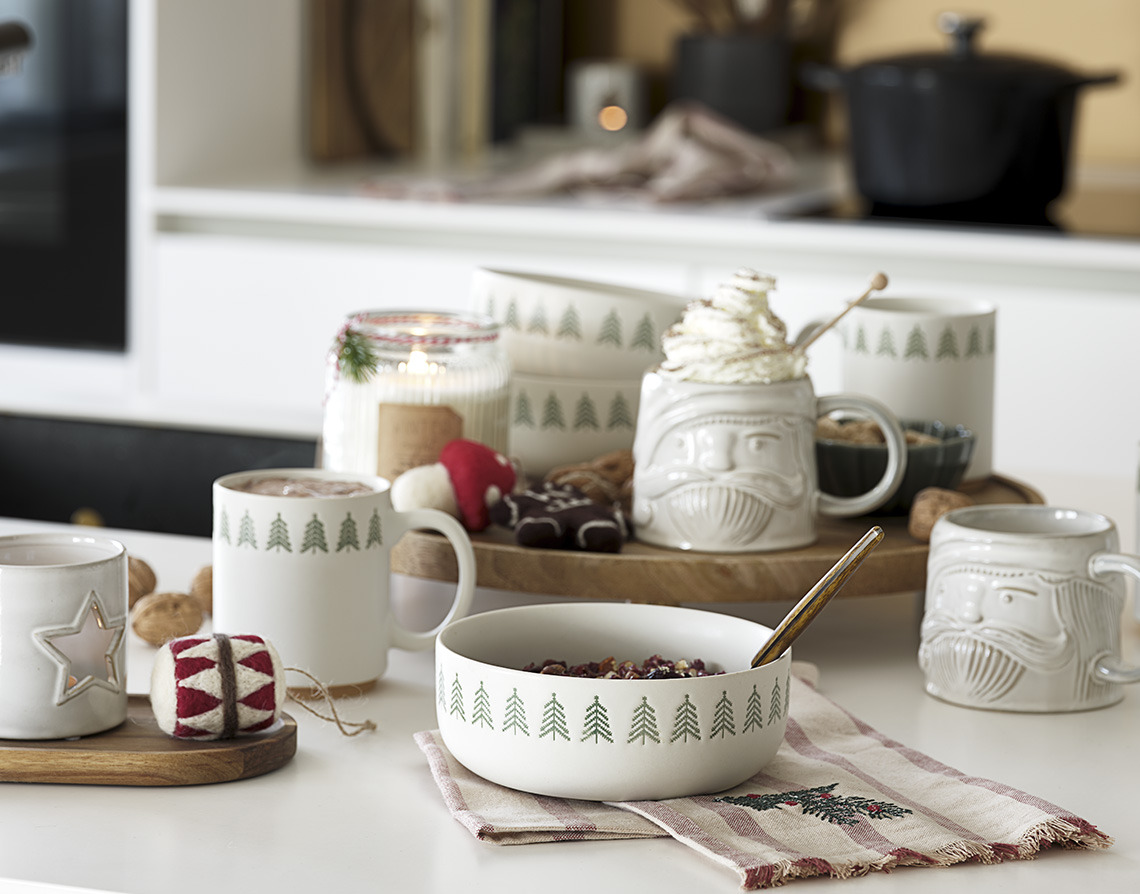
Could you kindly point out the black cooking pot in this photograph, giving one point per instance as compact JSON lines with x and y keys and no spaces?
{"x":981,"y":134}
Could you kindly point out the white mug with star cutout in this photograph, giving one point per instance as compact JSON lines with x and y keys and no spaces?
{"x":63,"y":620}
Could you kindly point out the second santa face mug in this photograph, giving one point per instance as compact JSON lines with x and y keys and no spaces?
{"x":1023,"y":607}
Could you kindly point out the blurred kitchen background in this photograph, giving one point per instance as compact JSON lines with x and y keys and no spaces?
{"x":265,"y":167}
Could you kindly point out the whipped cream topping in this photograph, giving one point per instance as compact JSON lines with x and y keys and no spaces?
{"x":732,"y":337}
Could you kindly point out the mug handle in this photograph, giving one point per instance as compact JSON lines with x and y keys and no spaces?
{"x":435,"y":520}
{"x":1109,"y":668}
{"x":846,"y":507}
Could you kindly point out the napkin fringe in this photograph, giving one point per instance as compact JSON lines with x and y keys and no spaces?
{"x":1072,"y":832}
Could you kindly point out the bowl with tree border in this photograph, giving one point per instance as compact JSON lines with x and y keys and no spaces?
{"x":561,"y":326}
{"x":607,"y":739}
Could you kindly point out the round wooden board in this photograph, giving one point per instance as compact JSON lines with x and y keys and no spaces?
{"x":137,"y":752}
{"x":643,"y":573}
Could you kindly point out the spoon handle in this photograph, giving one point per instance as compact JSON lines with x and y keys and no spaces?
{"x":797,"y":620}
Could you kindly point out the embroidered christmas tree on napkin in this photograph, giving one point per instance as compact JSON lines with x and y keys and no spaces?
{"x":839,"y":799}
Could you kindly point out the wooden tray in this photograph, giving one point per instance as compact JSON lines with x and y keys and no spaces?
{"x":139,"y":753}
{"x":643,"y":573}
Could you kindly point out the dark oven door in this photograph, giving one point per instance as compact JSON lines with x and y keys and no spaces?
{"x":63,"y":173}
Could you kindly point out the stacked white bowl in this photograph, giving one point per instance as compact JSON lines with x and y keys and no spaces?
{"x":578,"y":350}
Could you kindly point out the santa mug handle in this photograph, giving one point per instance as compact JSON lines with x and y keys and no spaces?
{"x":1110,"y":668}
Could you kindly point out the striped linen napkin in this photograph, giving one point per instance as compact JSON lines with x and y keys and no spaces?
{"x":839,"y":799}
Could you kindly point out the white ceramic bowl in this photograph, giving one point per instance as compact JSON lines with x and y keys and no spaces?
{"x":608,"y":740}
{"x":556,"y":326}
{"x":555,"y":421}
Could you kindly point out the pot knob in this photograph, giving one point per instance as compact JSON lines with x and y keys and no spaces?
{"x":962,"y":30}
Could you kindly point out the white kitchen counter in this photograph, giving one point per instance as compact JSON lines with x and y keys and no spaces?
{"x":364,"y":814}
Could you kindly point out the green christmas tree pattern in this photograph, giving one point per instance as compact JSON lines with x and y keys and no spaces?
{"x":597,"y":723}
{"x":585,"y":414}
{"x":916,"y":345}
{"x":754,"y":712}
{"x":524,"y":416}
{"x":787,"y":694}
{"x":685,"y":722}
{"x":844,"y":810}
{"x":596,"y":719}
{"x":348,"y":538}
{"x":552,"y":413}
{"x":610,"y":333}
{"x":724,"y":724}
{"x":481,"y":709}
{"x":569,"y":326}
{"x":224,"y":527}
{"x":538,"y":322}
{"x":620,"y":414}
{"x":514,"y":720}
{"x":645,"y":335}
{"x":861,"y":346}
{"x":456,"y":709}
{"x":974,"y":346}
{"x":245,"y":531}
{"x":375,"y":535}
{"x":947,"y":345}
{"x":644,"y":725}
{"x":886,"y":347}
{"x":511,"y":319}
{"x":278,"y":535}
{"x":314,"y":537}
{"x":554,"y":720}
{"x":776,"y":710}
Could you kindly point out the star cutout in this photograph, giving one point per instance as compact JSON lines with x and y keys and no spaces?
{"x":76,"y":650}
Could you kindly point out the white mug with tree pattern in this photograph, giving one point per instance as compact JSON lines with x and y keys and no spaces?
{"x":927,"y":358}
{"x":310,"y":573}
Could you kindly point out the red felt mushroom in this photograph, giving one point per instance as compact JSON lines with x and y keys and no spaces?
{"x":480,"y":476}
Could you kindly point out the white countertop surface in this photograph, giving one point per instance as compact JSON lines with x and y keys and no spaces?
{"x":363,"y":813}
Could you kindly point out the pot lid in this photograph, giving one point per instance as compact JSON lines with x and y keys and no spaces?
{"x":963,"y":60}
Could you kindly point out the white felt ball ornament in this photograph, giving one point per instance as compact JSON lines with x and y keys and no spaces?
{"x":216,"y":687}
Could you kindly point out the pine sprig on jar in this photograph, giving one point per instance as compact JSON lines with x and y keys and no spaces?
{"x":356,"y":358}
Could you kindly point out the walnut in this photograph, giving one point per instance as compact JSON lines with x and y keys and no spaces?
{"x":159,"y":617}
{"x":607,"y":479}
{"x":930,"y":504}
{"x":141,"y":579}
{"x":202,"y":588}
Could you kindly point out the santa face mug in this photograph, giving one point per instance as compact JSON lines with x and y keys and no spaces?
{"x":304,"y":564}
{"x":63,"y":617}
{"x":1023,"y":608}
{"x":731,"y":468}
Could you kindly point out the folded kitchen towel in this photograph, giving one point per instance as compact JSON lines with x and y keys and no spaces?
{"x":839,"y":799}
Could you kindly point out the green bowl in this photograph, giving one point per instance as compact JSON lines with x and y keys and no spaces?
{"x":847,"y":469}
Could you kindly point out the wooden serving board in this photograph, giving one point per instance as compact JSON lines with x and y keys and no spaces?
{"x":643,"y":573}
{"x":138,"y":753}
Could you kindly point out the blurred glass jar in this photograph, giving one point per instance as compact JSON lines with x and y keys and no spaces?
{"x":401,"y":384}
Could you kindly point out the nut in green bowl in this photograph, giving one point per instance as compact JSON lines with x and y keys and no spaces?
{"x":609,"y":739}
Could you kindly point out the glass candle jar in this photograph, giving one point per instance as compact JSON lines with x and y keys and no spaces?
{"x":400,"y":384}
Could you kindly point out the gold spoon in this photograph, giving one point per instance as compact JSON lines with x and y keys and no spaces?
{"x":797,"y":620}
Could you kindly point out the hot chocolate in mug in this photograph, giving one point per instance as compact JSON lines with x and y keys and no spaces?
{"x":1023,"y":607}
{"x":731,"y":468}
{"x":305,"y":565}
